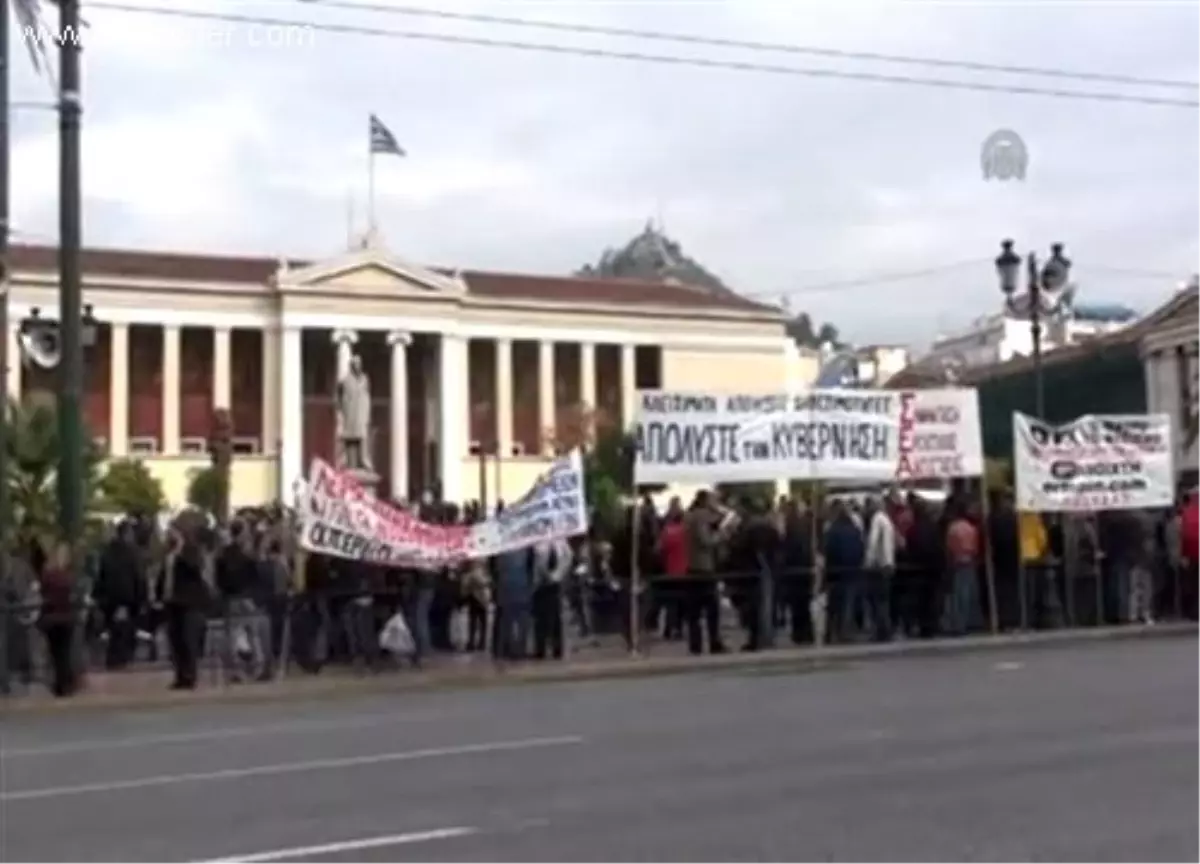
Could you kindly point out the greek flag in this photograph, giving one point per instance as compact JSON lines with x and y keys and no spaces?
{"x":382,"y":139}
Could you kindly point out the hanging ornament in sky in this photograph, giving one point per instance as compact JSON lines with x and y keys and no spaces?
{"x":1004,"y":156}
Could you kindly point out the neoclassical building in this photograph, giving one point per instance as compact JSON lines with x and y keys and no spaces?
{"x":461,"y":362}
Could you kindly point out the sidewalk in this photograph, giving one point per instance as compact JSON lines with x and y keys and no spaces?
{"x":148,"y":689}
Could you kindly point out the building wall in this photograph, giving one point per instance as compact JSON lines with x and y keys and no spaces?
{"x":172,"y":351}
{"x":725,"y":371}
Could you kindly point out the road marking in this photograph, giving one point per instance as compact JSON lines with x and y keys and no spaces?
{"x":290,"y":768}
{"x":346,"y":846}
{"x":298,"y":727}
{"x":1008,"y":666}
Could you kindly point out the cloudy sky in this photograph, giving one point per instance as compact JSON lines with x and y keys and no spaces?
{"x":232,"y":137}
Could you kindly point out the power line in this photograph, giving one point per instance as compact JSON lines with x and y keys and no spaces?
{"x":888,"y":278}
{"x":746,"y":44}
{"x":875,"y":279}
{"x":635,"y":56}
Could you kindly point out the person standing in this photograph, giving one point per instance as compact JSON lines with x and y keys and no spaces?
{"x":183,"y":593}
{"x":58,"y":619}
{"x":703,"y":534}
{"x":879,"y":565}
{"x":119,"y":592}
{"x":673,"y":552}
{"x":514,"y":599}
{"x":551,"y":563}
{"x":962,"y":560}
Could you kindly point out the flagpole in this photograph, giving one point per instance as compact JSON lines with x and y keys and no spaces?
{"x":370,"y":190}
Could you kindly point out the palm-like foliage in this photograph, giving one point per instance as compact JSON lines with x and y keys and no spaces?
{"x":34,"y":453}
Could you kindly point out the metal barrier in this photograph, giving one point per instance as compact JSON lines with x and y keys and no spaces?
{"x":301,"y":634}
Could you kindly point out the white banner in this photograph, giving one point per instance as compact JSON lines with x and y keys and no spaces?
{"x":339,"y":517}
{"x":825,"y":434}
{"x":1098,"y":462}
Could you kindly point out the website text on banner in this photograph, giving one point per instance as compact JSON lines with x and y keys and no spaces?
{"x":339,"y":517}
{"x":825,"y":434}
{"x":1098,"y":462}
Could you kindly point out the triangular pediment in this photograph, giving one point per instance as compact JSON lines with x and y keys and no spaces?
{"x":371,"y":270}
{"x":1180,"y":309}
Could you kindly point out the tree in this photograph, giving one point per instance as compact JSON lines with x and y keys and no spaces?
{"x":803,"y":332}
{"x":33,"y":459}
{"x":608,"y":457}
{"x":208,"y":490}
{"x":128,"y":487}
{"x":828,"y":334}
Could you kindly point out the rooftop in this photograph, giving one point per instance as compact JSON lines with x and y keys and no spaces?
{"x":258,"y":271}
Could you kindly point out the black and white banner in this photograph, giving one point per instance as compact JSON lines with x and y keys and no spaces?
{"x":1098,"y":462}
{"x":821,"y":434}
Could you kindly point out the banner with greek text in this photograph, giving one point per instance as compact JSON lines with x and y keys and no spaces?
{"x":1097,"y":462}
{"x":339,"y":517}
{"x":821,"y":434}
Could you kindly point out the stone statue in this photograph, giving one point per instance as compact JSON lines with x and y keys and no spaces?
{"x":354,"y":418}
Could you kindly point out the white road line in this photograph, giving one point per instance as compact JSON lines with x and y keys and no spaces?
{"x":346,"y":846}
{"x":289,"y":768}
{"x":298,"y":727}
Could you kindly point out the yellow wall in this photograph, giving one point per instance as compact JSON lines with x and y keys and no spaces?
{"x":506,"y":482}
{"x":252,"y":481}
{"x":723,"y":371}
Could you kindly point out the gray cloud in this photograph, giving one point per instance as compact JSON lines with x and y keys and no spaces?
{"x":532,"y":162}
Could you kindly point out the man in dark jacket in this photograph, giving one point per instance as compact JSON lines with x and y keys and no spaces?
{"x":844,"y":550}
{"x":237,"y":578}
{"x":703,"y":532}
{"x":120,"y":595}
{"x":184,"y":593}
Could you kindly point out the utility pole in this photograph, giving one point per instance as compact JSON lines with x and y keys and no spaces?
{"x":70,"y":314}
{"x":5,"y":518}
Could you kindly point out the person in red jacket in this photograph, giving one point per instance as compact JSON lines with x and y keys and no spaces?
{"x":673,"y":554}
{"x":1189,"y":551}
{"x":58,"y":619}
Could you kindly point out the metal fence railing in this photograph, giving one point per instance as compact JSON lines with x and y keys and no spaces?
{"x":304,"y":633}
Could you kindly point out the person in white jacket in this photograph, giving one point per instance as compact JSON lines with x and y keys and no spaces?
{"x":879,"y":565}
{"x":551,"y":564}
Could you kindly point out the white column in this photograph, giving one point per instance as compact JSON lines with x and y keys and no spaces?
{"x":222,"y":363}
{"x":169,"y":446}
{"x":628,"y":384}
{"x":270,"y":389}
{"x":453,"y":420}
{"x":13,"y":373}
{"x":399,"y":342}
{"x":587,"y":375}
{"x":504,"y":398}
{"x":547,"y":416}
{"x":291,"y":432}
{"x":345,"y":340}
{"x":118,"y":390}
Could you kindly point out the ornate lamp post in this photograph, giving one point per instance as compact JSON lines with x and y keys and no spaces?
{"x":1047,"y":295}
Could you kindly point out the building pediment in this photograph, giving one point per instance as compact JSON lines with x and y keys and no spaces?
{"x":369,"y":271}
{"x":1175,"y":323}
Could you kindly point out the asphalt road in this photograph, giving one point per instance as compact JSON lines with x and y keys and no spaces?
{"x":1072,"y":753}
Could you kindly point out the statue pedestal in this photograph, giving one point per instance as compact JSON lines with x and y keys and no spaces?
{"x":366,"y":478}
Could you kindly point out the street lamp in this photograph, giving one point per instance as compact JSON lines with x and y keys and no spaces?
{"x":1047,"y":294}
{"x":41,"y":338}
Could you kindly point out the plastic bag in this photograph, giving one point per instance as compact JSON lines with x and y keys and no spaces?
{"x":241,"y":643}
{"x":396,"y":638}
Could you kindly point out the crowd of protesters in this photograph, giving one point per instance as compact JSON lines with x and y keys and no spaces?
{"x":856,"y":567}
